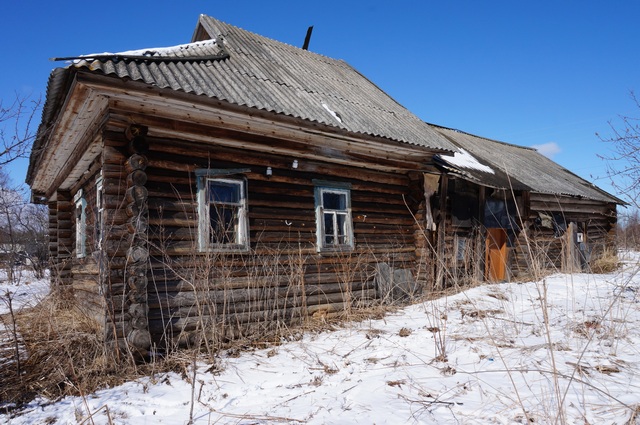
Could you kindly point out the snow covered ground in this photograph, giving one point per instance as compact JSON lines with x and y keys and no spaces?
{"x":23,"y":291}
{"x":486,"y":355}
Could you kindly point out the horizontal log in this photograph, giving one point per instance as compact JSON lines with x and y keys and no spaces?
{"x":112,"y":155}
{"x":257,"y":308}
{"x":282,"y":255}
{"x":185,"y":152}
{"x":314,"y":283}
{"x":185,"y":204}
{"x":212,"y":325}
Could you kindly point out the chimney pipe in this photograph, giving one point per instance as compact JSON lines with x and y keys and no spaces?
{"x":305,"y":46}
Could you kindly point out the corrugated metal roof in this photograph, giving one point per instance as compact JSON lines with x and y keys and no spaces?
{"x":273,"y":76}
{"x":517,"y":167}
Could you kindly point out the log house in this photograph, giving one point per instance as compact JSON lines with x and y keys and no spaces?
{"x":235,"y":183}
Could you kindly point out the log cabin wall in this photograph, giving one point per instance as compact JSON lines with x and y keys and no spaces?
{"x":544,"y":246}
{"x":84,"y":267}
{"x":281,"y":278}
{"x":116,"y":238}
{"x":424,"y":227}
{"x":460,"y":259}
{"x":61,"y":238}
{"x":53,"y":242}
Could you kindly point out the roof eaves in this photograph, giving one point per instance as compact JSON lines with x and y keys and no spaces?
{"x":57,"y":88}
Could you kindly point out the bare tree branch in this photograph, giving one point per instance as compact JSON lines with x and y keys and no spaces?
{"x":16,"y":127}
{"x":23,"y":230}
{"x":623,"y":165}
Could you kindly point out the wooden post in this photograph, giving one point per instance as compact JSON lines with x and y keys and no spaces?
{"x":571,"y":260}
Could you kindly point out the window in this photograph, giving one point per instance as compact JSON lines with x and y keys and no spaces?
{"x":99,"y":212}
{"x":81,"y":224}
{"x":222,"y":208}
{"x":333,"y":218}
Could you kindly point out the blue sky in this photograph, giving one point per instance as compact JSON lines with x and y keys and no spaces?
{"x":529,"y":73}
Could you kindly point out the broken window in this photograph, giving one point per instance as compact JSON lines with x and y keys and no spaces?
{"x":553,"y":220}
{"x":464,"y":203}
{"x":222,"y":208}
{"x":500,"y":214}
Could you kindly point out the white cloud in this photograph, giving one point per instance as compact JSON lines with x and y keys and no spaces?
{"x":548,"y":149}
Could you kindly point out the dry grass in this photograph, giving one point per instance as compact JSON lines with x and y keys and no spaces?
{"x":608,"y":262}
{"x":66,"y":354}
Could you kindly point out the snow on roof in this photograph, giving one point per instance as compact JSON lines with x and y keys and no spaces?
{"x":464,"y":159}
{"x":153,"y":51}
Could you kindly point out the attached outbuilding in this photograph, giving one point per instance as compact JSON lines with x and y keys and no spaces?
{"x":511,"y":211}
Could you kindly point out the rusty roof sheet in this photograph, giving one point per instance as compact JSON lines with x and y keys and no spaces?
{"x":247,"y":69}
{"x":507,"y":166}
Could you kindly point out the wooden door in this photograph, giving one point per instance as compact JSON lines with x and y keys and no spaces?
{"x":496,"y":255}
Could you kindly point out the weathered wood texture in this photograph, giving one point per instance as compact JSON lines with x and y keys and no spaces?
{"x":53,"y":241}
{"x":62,"y":230}
{"x":85,"y":272}
{"x":86,"y":288}
{"x":460,"y":236}
{"x":282,"y":278}
{"x":545,"y":246}
{"x":137,"y":257}
{"x":534,"y":246}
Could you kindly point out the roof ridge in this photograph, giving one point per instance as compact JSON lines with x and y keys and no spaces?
{"x":482,"y":137}
{"x":272,"y":40}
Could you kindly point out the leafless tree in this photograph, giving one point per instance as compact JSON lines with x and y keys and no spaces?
{"x":16,"y":127}
{"x":629,"y":230}
{"x":623,"y":164}
{"x":23,"y":227}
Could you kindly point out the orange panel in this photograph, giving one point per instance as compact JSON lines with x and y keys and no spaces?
{"x":496,"y":255}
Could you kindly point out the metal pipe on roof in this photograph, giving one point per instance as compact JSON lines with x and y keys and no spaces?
{"x":307,"y":38}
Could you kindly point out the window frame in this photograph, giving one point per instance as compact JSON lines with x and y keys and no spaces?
{"x":205,"y":244}
{"x":99,"y":211}
{"x":80,"y":203}
{"x":321,"y":234}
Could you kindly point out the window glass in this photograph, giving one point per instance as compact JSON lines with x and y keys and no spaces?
{"x":341,"y":228}
{"x":226,"y":192}
{"x":223,"y":220}
{"x":329,"y":229}
{"x":334,"y":201}
{"x":333,"y":218}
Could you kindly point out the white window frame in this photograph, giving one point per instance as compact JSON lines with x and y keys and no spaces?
{"x":321,"y":234}
{"x":205,"y":244}
{"x":81,"y":223}
{"x":100,"y":211}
